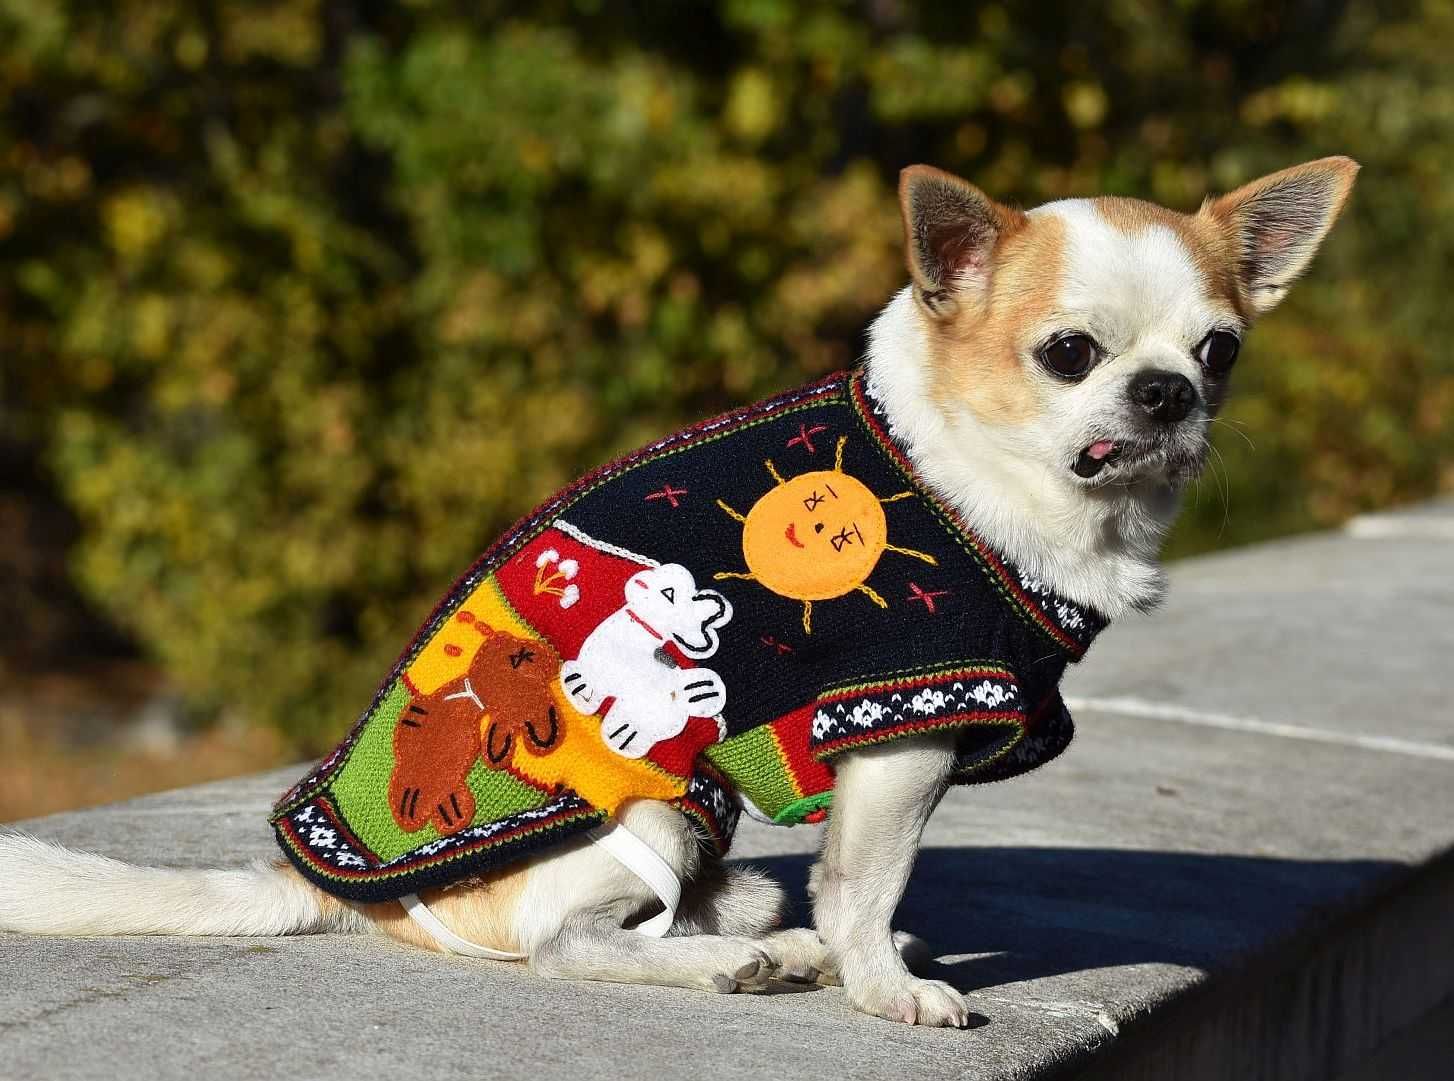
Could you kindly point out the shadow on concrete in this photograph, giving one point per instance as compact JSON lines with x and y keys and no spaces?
{"x":1000,"y":915}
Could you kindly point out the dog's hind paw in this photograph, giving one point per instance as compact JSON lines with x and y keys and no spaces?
{"x":752,"y":974}
{"x":804,"y":959}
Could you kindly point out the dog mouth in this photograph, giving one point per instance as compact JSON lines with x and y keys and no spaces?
{"x":1096,"y":457}
{"x":791,"y":532}
{"x":1116,"y":457}
{"x":1176,"y":455}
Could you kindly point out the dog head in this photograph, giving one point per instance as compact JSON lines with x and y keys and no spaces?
{"x":1093,"y":339}
{"x":668,"y":600}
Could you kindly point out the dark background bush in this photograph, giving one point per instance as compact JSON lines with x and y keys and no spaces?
{"x":302,"y":302}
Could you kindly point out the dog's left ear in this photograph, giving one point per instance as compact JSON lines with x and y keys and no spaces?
{"x":951,"y":231}
{"x":1277,"y":223}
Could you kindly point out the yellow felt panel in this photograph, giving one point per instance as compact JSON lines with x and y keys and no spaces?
{"x":488,"y":604}
{"x":448,"y":654}
{"x":583,"y":762}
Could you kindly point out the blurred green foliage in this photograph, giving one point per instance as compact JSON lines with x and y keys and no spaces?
{"x":301,"y":302}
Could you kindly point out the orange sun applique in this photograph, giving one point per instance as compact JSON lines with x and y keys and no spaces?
{"x":816,"y":537}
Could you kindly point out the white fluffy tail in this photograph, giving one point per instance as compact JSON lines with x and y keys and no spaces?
{"x":47,"y":889}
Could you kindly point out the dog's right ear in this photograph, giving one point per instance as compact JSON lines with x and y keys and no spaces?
{"x":951,"y":230}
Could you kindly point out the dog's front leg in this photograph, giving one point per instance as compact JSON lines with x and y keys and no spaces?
{"x":882,"y":798}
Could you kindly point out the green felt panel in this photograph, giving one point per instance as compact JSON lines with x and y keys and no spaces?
{"x":361,"y":788}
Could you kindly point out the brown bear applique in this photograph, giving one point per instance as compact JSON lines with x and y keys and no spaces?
{"x":504,"y":695}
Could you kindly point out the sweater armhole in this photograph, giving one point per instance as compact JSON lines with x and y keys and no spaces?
{"x":982,"y":698}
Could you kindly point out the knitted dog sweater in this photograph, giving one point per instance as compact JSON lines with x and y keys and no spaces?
{"x":708,"y":621}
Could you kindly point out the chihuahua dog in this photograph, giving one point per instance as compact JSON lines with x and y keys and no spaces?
{"x":1051,"y":376}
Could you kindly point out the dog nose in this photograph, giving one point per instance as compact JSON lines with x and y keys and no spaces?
{"x":1166,"y":396}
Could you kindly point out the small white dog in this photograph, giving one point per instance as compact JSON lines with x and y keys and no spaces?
{"x":625,"y":667}
{"x":1053,"y":375}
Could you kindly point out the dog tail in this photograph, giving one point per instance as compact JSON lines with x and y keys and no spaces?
{"x":47,"y":889}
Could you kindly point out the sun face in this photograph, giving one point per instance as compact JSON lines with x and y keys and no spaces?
{"x":816,"y":537}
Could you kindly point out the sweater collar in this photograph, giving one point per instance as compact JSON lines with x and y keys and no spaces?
{"x":1071,"y":626}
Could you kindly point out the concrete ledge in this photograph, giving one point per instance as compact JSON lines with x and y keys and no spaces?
{"x":1243,"y":868}
{"x":1429,"y":521}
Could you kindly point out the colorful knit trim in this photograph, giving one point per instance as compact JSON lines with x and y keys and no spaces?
{"x":325,"y":848}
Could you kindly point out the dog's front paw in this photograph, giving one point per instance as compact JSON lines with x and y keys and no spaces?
{"x":914,"y":1002}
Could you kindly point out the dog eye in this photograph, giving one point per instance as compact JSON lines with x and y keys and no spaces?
{"x":1218,"y":351}
{"x":1070,"y":355}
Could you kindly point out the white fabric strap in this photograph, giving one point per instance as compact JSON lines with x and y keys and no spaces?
{"x":447,"y":939}
{"x":642,"y":860}
{"x":634,"y":854}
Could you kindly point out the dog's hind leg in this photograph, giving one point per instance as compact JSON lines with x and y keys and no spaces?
{"x":728,"y":900}
{"x":803,"y":957}
{"x":592,"y":946}
{"x":575,"y":910}
{"x":743,"y":901}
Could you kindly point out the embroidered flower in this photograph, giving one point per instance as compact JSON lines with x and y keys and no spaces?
{"x":553,"y":576}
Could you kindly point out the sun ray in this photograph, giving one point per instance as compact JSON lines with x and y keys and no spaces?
{"x":925,"y":556}
{"x":838,"y":454}
{"x":738,"y":575}
{"x":773,"y":470}
{"x":896,"y":497}
{"x":733,"y":513}
{"x":807,"y":617}
{"x":872,"y":595}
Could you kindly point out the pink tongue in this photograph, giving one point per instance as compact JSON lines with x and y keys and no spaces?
{"x":1101,"y":449}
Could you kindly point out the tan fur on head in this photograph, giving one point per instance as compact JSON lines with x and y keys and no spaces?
{"x":951,"y":230}
{"x":976,"y":349}
{"x":989,"y":279}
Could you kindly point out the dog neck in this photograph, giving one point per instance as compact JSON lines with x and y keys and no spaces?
{"x":1098,"y":547}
